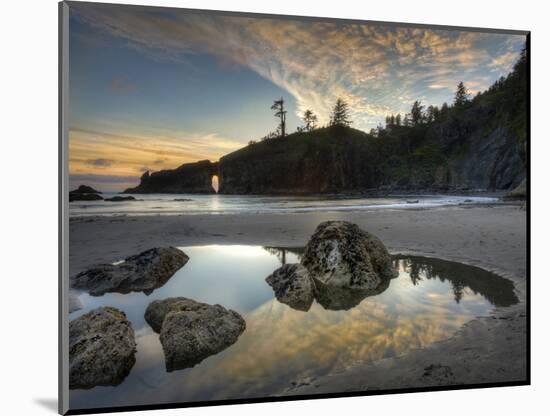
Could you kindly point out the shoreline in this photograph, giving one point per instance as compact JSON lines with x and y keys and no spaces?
{"x":490,"y":237}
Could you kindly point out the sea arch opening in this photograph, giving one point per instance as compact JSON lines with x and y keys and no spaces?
{"x":215,"y":182}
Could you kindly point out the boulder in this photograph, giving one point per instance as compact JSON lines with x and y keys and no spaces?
{"x":143,"y":272}
{"x":84,"y":189}
{"x":191,"y":331}
{"x":102,"y":349}
{"x":340,"y":254}
{"x":120,"y":199}
{"x":84,"y":197}
{"x":292,"y":286}
{"x":84,"y":193}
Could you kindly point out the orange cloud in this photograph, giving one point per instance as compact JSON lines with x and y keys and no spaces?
{"x":100,"y":153}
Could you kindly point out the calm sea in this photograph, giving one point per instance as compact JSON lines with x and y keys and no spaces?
{"x":171,"y":204}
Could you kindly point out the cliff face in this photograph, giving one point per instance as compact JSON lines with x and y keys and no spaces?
{"x":188,"y":178}
{"x":344,"y":160}
{"x":329,"y":161}
{"x":482,"y":156}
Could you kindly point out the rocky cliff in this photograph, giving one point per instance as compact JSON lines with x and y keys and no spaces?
{"x":194,"y":178}
{"x":325,"y":161}
{"x":345,"y":160}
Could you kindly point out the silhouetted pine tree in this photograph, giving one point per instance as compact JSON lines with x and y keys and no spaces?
{"x":340,"y":114}
{"x":279,"y":107}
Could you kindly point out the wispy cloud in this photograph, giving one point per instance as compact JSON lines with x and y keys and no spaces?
{"x":316,"y":62}
{"x":130,"y":155}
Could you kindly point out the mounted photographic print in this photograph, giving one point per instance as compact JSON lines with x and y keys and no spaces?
{"x":262,"y":208}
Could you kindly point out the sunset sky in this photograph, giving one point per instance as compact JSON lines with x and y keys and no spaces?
{"x":153,"y":88}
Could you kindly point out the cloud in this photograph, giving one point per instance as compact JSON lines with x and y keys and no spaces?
{"x":317,"y":62}
{"x":505,"y":62}
{"x":99,"y":162}
{"x":128,"y":155}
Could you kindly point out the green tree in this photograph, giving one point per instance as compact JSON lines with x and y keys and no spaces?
{"x":398,"y":120}
{"x":310,"y":120}
{"x":461,"y":95}
{"x":340,"y":114}
{"x":432,"y":113}
{"x":280,"y":112}
{"x":417,"y":113}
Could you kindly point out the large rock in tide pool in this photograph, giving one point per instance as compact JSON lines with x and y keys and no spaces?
{"x":101,"y":349}
{"x":143,"y":272}
{"x":191,"y":331}
{"x":292,"y":286}
{"x":340,"y":254}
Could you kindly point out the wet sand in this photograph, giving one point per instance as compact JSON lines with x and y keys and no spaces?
{"x":485,"y":350}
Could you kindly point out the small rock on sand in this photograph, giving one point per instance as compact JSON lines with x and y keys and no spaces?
{"x":101,"y":349}
{"x":191,"y":331}
{"x":120,"y":199}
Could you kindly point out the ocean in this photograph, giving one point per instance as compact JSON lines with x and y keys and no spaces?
{"x":189,"y":204}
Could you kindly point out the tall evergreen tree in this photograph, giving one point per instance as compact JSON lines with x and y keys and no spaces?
{"x":432,"y":113}
{"x":417,"y":114}
{"x":280,"y":112}
{"x":461,"y":95}
{"x":398,"y":120}
{"x":340,"y":114}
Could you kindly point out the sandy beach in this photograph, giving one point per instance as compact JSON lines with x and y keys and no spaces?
{"x":485,"y":350}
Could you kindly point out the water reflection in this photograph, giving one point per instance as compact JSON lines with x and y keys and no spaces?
{"x":280,"y":344}
{"x":498,"y":291}
{"x":462,"y":277}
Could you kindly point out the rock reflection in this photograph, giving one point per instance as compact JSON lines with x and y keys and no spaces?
{"x":341,"y":298}
{"x":498,"y":291}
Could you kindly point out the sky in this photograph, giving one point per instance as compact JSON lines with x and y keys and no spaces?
{"x":152,"y":88}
